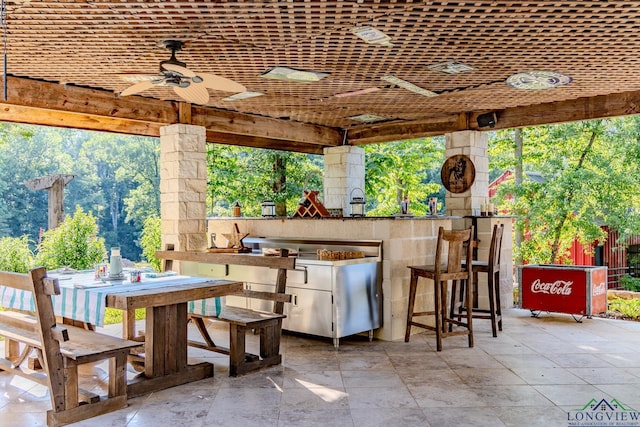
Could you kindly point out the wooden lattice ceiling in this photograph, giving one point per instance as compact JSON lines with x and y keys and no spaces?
{"x":64,"y":58}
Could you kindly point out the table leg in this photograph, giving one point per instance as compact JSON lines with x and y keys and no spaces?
{"x":129,"y":324}
{"x":165,"y":348}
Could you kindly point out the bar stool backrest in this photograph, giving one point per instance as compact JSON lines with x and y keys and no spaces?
{"x":458,"y":242}
{"x":496,"y":246}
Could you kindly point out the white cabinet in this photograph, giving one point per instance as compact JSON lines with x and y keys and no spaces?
{"x":310,"y":312}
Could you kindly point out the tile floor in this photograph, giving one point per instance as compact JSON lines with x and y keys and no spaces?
{"x":536,"y":373}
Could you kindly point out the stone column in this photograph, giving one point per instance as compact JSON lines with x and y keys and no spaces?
{"x":343,"y":172}
{"x":183,"y":187}
{"x":474,"y":145}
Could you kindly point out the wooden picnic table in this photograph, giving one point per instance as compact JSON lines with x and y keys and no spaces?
{"x":166,"y":300}
{"x":165,"y":336}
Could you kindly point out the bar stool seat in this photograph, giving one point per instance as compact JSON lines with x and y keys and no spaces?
{"x":492,"y":269}
{"x":440,"y":273}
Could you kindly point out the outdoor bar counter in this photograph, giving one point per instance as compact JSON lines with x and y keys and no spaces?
{"x":405,"y":240}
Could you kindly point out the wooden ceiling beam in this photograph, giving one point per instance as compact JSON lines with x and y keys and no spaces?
{"x":264,"y":127}
{"x":597,"y":107}
{"x":63,"y":119}
{"x":266,"y":143}
{"x":52,"y":104}
{"x":386,"y":132}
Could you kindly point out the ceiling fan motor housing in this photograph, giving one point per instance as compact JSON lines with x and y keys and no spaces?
{"x":174,"y":46}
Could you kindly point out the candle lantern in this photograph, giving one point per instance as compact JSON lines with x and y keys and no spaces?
{"x":357,"y":202}
{"x":268,"y":208}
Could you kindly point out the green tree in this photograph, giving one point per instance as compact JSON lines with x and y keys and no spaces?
{"x":74,"y":244}
{"x":249,"y":176}
{"x":121,"y":175}
{"x":403,"y":168}
{"x":15,"y":254}
{"x":591,"y":172}
{"x":27,"y":152}
{"x":151,"y":240}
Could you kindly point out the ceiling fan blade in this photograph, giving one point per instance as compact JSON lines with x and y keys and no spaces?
{"x":221,"y":83}
{"x":194,"y":93}
{"x":137,"y":88}
{"x":178,"y":69}
{"x":136,"y":78}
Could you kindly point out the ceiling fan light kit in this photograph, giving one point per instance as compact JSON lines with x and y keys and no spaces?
{"x":533,"y":80}
{"x":368,"y":118}
{"x":190,"y":86}
{"x":372,"y":35}
{"x":451,"y":67}
{"x":408,"y":86}
{"x":293,"y":75}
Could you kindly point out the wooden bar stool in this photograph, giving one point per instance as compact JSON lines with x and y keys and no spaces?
{"x":492,"y":269}
{"x":456,"y":243}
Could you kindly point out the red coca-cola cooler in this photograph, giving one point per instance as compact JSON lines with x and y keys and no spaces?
{"x":571,"y":289}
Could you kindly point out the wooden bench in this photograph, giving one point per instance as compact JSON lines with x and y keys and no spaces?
{"x":60,"y":349}
{"x":242,"y":320}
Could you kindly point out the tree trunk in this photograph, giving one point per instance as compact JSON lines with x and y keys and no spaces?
{"x":279,"y":183}
{"x":519,"y":237}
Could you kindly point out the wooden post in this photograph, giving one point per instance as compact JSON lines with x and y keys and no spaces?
{"x":54,"y":184}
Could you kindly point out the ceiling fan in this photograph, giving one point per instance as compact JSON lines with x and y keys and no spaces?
{"x":190,"y":86}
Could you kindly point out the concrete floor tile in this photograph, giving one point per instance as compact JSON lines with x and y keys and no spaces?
{"x":604,"y":375}
{"x":487,"y":376}
{"x":547,"y":376}
{"x":382,"y":397}
{"x":532,"y":416}
{"x":385,"y":417}
{"x":445,"y":395}
{"x":460,"y":417}
{"x":569,"y":395}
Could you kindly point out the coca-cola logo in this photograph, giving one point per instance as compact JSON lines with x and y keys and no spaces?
{"x":559,"y":287}
{"x":599,"y":289}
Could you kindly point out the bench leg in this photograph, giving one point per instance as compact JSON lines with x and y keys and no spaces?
{"x":270,"y":340}
{"x":237,"y":334}
{"x":71,"y":384}
{"x":118,"y":374}
{"x":11,"y":349}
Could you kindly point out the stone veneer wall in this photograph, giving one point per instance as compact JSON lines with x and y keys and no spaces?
{"x":405,"y":242}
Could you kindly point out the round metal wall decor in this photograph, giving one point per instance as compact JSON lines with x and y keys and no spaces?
{"x":458,"y":173}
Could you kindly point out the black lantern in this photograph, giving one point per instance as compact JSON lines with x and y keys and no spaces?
{"x":268,"y":208}
{"x":357,"y":203}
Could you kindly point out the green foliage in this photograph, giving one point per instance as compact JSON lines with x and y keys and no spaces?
{"x":151,"y":240}
{"x":250,"y":175}
{"x":630,"y":283}
{"x":15,"y":254}
{"x":75,"y":243}
{"x":591,"y":171}
{"x":627,"y":307}
{"x":403,"y":168}
{"x":114,"y":315}
{"x":116,"y":178}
